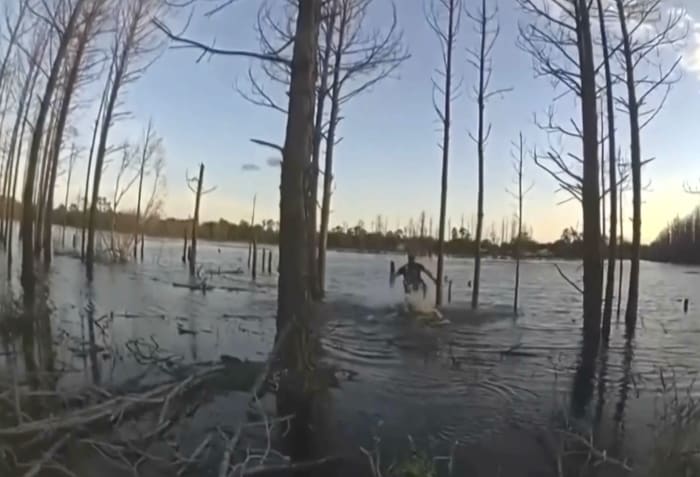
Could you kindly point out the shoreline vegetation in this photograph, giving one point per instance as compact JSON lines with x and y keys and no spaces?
{"x":569,"y":246}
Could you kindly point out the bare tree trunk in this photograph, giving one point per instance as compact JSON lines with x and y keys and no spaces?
{"x":14,"y":34}
{"x":292,"y":301}
{"x":45,"y":177}
{"x":71,"y":82}
{"x":184,"y":248}
{"x":48,"y":212}
{"x":636,"y":166}
{"x":134,"y":33}
{"x":603,"y":211}
{"x":99,"y":163}
{"x":622,"y":255}
{"x":330,"y":143}
{"x":28,"y":279}
{"x":612,"y":172}
{"x":95,"y":129}
{"x":519,"y":238}
{"x":71,"y":163}
{"x":315,"y":284}
{"x":7,"y":173}
{"x":15,"y":180}
{"x":476,"y":282}
{"x":138,"y":204}
{"x":195,"y":221}
{"x":453,"y":7}
{"x":592,"y":264}
{"x":24,"y":102}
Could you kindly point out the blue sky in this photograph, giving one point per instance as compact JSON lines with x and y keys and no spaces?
{"x":388,"y":162}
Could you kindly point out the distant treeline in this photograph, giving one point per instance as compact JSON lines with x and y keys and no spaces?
{"x":568,"y":246}
{"x":679,"y":242}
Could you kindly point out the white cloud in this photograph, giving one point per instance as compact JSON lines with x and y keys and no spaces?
{"x":691,"y":58}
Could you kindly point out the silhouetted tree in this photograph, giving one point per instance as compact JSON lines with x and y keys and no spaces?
{"x":81,"y":61}
{"x":561,"y":44}
{"x":134,"y":42}
{"x":351,"y":59}
{"x":197,"y":190}
{"x":641,"y":50}
{"x":71,"y":163}
{"x":517,"y":238}
{"x":150,"y":151}
{"x":65,"y":34}
{"x":446,"y":30}
{"x":481,"y":59}
{"x":612,"y":171}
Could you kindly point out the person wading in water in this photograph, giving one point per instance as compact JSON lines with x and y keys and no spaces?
{"x":412,"y":279}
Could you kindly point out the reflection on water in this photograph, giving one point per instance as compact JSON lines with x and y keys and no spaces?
{"x":485,"y":380}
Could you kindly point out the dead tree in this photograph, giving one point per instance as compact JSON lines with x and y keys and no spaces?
{"x":292,"y":301}
{"x":641,"y":53}
{"x":482,"y":60}
{"x":148,"y":154}
{"x":81,"y":62}
{"x":559,"y":39}
{"x":18,"y":154}
{"x":446,"y":31}
{"x":95,"y":130}
{"x":14,"y":31}
{"x":612,"y":171}
{"x":64,"y":37}
{"x":623,"y":173}
{"x":519,"y":196}
{"x":350,"y":61}
{"x":123,"y":183}
{"x":23,"y":103}
{"x":71,"y":163}
{"x":197,"y":190}
{"x":46,"y":170}
{"x":293,"y":284}
{"x":154,"y":203}
{"x":134,"y":42}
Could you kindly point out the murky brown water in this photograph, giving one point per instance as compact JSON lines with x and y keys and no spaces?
{"x":440,"y":385}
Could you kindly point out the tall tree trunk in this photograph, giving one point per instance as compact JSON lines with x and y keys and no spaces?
{"x":44,"y":178}
{"x":48,"y":212}
{"x":24,"y":102}
{"x":481,"y":100}
{"x":120,"y":65}
{"x":65,"y":203}
{"x":71,"y":82}
{"x":138,"y":201}
{"x":592,"y":264}
{"x":195,"y":221}
{"x":14,"y":35}
{"x":636,"y":165}
{"x":330,"y":146}
{"x":28,"y":279}
{"x":612,"y":172}
{"x":15,"y":180}
{"x":5,"y":189}
{"x":292,"y":301}
{"x":315,"y":285}
{"x":446,"y":124}
{"x":622,"y":256}
{"x":519,"y":238}
{"x":95,"y":129}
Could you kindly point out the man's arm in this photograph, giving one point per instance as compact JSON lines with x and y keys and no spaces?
{"x":427,"y":272}
{"x":401,"y":270}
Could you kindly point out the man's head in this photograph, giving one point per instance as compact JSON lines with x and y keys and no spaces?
{"x":411,"y":258}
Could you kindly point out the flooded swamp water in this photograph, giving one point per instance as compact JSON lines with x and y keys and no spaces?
{"x":484,"y":388}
